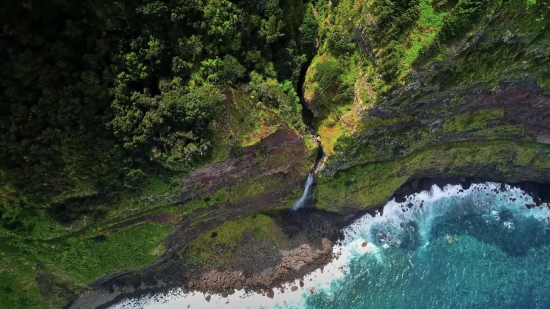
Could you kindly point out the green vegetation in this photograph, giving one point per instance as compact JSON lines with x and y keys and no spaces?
{"x":472,"y":122}
{"x":18,"y":285}
{"x":455,"y":50}
{"x":374,"y":183}
{"x":218,"y":246}
{"x":101,"y":95}
{"x":462,"y":16}
{"x":107,"y":105}
{"x":72,"y":262}
{"x":87,"y":259}
{"x":234,"y":194}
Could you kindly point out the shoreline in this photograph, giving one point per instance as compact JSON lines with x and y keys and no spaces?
{"x":540,"y":191}
{"x":322,"y":265}
{"x":291,"y":292}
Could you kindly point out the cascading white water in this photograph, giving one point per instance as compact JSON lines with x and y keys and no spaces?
{"x":301,"y":202}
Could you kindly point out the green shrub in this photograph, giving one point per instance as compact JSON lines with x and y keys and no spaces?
{"x":462,"y":17}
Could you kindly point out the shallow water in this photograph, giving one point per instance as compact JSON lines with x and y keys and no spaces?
{"x":451,"y":248}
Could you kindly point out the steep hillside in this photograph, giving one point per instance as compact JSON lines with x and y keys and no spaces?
{"x":123,"y":120}
{"x":428,"y":88}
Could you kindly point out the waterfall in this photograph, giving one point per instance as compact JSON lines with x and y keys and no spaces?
{"x":301,"y":202}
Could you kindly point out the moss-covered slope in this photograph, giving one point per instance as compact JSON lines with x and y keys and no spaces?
{"x":259,"y":163}
{"x":453,"y":89}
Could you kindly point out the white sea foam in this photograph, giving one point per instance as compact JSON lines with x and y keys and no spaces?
{"x":380,"y":232}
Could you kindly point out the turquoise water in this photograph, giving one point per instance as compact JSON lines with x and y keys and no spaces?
{"x":455,"y":248}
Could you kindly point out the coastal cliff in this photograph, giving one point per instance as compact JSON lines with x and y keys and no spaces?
{"x":470,"y":103}
{"x":393,"y":92}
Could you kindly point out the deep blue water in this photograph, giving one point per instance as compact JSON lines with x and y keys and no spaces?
{"x":447,"y":249}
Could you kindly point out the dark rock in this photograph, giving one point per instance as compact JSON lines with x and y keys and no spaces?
{"x":270,"y":293}
{"x":414,"y":184}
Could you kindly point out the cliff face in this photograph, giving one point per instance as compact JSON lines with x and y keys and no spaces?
{"x":264,"y":176}
{"x":476,"y":105}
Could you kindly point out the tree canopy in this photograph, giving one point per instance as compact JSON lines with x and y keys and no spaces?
{"x":95,"y":90}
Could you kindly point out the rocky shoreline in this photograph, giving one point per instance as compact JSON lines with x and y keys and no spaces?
{"x":540,"y":191}
{"x":310,"y":237}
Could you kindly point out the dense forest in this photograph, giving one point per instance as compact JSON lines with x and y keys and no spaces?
{"x":97,"y":94}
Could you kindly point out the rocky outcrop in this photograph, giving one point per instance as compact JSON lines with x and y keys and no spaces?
{"x":259,"y":177}
{"x":281,"y":154}
{"x":299,"y":260}
{"x":304,"y":243}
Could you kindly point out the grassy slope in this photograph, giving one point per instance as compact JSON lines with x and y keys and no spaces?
{"x":373,"y":184}
{"x":396,"y":155}
{"x":219,"y":250}
{"x":88,"y":248}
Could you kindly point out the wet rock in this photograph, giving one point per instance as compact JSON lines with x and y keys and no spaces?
{"x":238,"y":285}
{"x":301,"y":283}
{"x":208,"y":298}
{"x":270,"y":294}
{"x":294,"y":288}
{"x":364,"y":244}
{"x":224,"y":294}
{"x":312,"y":289}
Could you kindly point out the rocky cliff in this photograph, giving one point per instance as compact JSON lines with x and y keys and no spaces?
{"x":473,"y":105}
